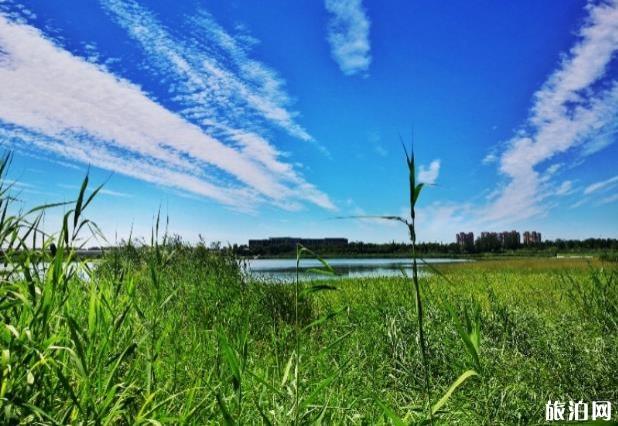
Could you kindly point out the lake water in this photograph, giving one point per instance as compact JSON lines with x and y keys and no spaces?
{"x":285,"y":269}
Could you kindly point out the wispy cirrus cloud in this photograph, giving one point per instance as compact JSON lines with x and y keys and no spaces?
{"x":602,"y":185}
{"x":565,"y":188}
{"x":212,"y":74}
{"x":348,"y":35}
{"x":62,"y":103}
{"x":490,"y":158}
{"x":610,"y":199}
{"x":104,"y":191}
{"x":576,"y":106}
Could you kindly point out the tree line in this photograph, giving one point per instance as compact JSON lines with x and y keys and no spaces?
{"x":481,"y":246}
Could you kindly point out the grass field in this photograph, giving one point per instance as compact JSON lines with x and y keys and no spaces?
{"x":173,"y":335}
{"x":166,"y":333}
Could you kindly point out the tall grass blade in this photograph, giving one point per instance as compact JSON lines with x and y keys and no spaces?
{"x":456,"y":384}
{"x":390,"y":414}
{"x":227,"y":417}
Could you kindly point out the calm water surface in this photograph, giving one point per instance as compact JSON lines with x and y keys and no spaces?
{"x":285,"y":269}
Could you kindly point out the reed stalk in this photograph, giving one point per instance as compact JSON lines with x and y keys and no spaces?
{"x":415,"y":190}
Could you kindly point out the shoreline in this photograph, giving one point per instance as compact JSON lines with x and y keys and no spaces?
{"x":477,"y":256}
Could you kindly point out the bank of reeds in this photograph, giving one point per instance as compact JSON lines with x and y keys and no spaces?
{"x":167,"y":333}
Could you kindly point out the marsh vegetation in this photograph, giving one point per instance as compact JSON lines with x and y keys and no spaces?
{"x":165,"y":333}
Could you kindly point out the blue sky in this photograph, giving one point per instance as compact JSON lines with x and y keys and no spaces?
{"x":246,"y":119}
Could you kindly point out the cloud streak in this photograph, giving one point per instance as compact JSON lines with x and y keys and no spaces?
{"x":64,"y":104}
{"x":565,"y":188}
{"x":576,"y":105}
{"x":348,"y":35}
{"x":599,"y":186}
{"x":610,"y":199}
{"x":103,"y":191}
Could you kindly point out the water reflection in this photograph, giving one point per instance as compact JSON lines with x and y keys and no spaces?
{"x":285,"y":269}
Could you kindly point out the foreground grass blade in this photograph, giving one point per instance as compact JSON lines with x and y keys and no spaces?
{"x":390,"y":414}
{"x":456,"y":384}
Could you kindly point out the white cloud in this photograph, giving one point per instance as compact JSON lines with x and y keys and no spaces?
{"x":14,"y":184}
{"x":348,"y":35}
{"x":610,"y":199}
{"x":551,"y":170}
{"x":103,"y":191}
{"x":113,"y":193}
{"x":565,"y":188}
{"x":602,"y":140}
{"x":430,"y":174}
{"x":572,"y":108}
{"x":490,"y":158}
{"x":211,"y":72}
{"x":579,"y":203}
{"x":63,"y":104}
{"x":598,"y":186}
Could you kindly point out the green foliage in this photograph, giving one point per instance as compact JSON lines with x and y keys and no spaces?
{"x":470,"y":332}
{"x":168,"y":333}
{"x":599,"y":300}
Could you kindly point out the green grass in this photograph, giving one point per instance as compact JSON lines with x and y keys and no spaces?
{"x":119,"y":348}
{"x":166,"y":333}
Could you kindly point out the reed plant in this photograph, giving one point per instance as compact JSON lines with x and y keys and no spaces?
{"x":470,"y":333}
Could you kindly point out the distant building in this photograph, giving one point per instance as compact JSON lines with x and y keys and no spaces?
{"x":284,"y":243}
{"x":488,"y":241}
{"x":465,"y":240}
{"x":495,"y":241}
{"x":532,"y":237}
{"x":509,"y":239}
{"x":489,"y":235}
